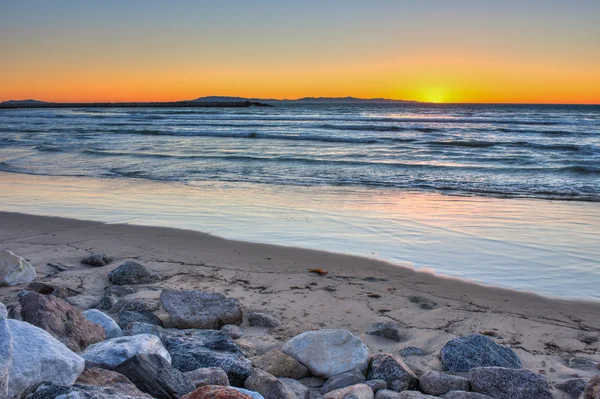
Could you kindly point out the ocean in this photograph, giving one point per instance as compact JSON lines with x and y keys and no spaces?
{"x":499,"y":194}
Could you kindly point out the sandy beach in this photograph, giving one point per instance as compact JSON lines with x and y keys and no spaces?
{"x":356,"y":292}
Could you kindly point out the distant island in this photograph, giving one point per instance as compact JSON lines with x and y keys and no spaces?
{"x":208,"y":101}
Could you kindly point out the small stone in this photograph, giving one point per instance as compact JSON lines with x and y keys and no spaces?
{"x":132,"y":273}
{"x":14,"y":270}
{"x":216,"y":392}
{"x":208,"y":376}
{"x":259,"y":319}
{"x":583,"y":364}
{"x":476,"y":350}
{"x":508,"y":383}
{"x":247,"y":347}
{"x":572,"y":386}
{"x":235,"y":332}
{"x":592,"y":389}
{"x":279,"y":364}
{"x":343,"y":380}
{"x":49,"y":289}
{"x":135,"y":305}
{"x":358,"y":391}
{"x":121,"y":290}
{"x":112,"y":352}
{"x":424,"y":303}
{"x":412,"y":351}
{"x":376,"y":385}
{"x":110,"y":327}
{"x":97,"y":260}
{"x":130,"y":316}
{"x":299,"y":390}
{"x":387,"y":329}
{"x":435,"y":383}
{"x":391,"y":369}
{"x":107,"y":302}
{"x":267,"y":385}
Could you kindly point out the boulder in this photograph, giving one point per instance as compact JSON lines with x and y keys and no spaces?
{"x":592,"y":389}
{"x":112,"y":352}
{"x":6,"y":351}
{"x":97,"y":260}
{"x":14,"y":270}
{"x":387,"y":394}
{"x":476,"y":350}
{"x":154,"y":375}
{"x":200,"y":309}
{"x":436,"y":383}
{"x":393,"y":371}
{"x":129,"y":316}
{"x":296,"y":388}
{"x":235,"y":332}
{"x":252,"y":394}
{"x":101,"y":383}
{"x":193,"y":349}
{"x":110,"y":327}
{"x":132,"y":273}
{"x":136,"y":328}
{"x":572,"y":386}
{"x":280,"y":365}
{"x":358,"y":391}
{"x":376,"y":385}
{"x":343,"y":380}
{"x":328,"y":352}
{"x":509,"y":383}
{"x":387,"y":329}
{"x":208,"y":376}
{"x":61,"y":319}
{"x":33,"y":351}
{"x":260,"y":319}
{"x":267,"y":385}
{"x":216,"y":392}
{"x":464,"y":395}
{"x":3,"y":310}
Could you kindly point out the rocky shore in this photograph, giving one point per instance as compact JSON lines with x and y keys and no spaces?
{"x":136,"y":320}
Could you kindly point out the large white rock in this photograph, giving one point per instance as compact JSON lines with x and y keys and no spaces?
{"x":14,"y":269}
{"x":111,"y":328}
{"x":328,"y":352}
{"x":6,"y":348}
{"x":112,"y":352}
{"x":38,"y":356}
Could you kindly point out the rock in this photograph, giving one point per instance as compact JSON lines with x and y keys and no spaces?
{"x":296,"y":388}
{"x":47,"y":390}
{"x":572,"y":386}
{"x":107,"y":302}
{"x":6,"y":351}
{"x":358,"y":391}
{"x":216,"y":392}
{"x":120,"y":290}
{"x":476,"y":350}
{"x":154,"y":375}
{"x":101,"y":382}
{"x":3,"y":310}
{"x":328,"y":352}
{"x":509,"y":383}
{"x":583,"y":364}
{"x":132,"y":273}
{"x":464,"y":395}
{"x":97,"y":260}
{"x":387,"y":329}
{"x":252,"y":394}
{"x":200,"y":309}
{"x":280,"y":365}
{"x":259,"y":319}
{"x":393,"y":371}
{"x":412,"y":351}
{"x":112,"y":352}
{"x":424,"y":303}
{"x":592,"y":389}
{"x":14,"y":270}
{"x":235,"y":332}
{"x":435,"y":383}
{"x":376,"y":385}
{"x":33,"y":351}
{"x":267,"y":385}
{"x":49,"y":289}
{"x":61,"y":319}
{"x":135,"y":305}
{"x":343,"y":380}
{"x":193,"y":349}
{"x":247,"y":347}
{"x":207,"y":376}
{"x":387,"y":394}
{"x":136,"y":328}
{"x":130,"y":316}
{"x":110,"y":327}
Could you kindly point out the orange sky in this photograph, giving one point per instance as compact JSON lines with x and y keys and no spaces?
{"x":513,"y":53}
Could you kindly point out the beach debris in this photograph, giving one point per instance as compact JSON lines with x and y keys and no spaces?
{"x":129,"y":316}
{"x":318,"y":271}
{"x":436,"y":383}
{"x":97,"y":260}
{"x":572,"y":386}
{"x":279,"y":364}
{"x":110,"y":327}
{"x":219,"y":392}
{"x":357,"y":391}
{"x":112,"y":352}
{"x":267,"y":385}
{"x":62,"y":320}
{"x":391,"y":369}
{"x":424,"y":303}
{"x":476,"y":350}
{"x":200,"y":309}
{"x":14,"y":270}
{"x":387,"y":329}
{"x":509,"y":383}
{"x":132,"y":273}
{"x":343,"y":380}
{"x":208,"y":376}
{"x":261,"y":319}
{"x":328,"y":352}
{"x":373,"y":295}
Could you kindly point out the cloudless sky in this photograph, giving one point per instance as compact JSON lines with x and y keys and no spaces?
{"x":541,"y":51}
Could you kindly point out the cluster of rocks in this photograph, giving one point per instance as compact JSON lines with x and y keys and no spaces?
{"x":59,"y":351}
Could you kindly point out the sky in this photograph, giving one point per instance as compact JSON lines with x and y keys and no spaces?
{"x":515,"y":51}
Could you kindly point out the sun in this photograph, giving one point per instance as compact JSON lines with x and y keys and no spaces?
{"x":434,"y":95}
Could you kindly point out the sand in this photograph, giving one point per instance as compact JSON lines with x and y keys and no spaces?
{"x":356,"y":292}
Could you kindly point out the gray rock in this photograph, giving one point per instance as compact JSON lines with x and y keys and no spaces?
{"x":464,"y":395}
{"x":424,"y":303}
{"x":112,"y":352}
{"x":391,"y":369}
{"x":279,"y":364}
{"x":233,"y":331}
{"x":592,"y":389}
{"x":208,"y":376}
{"x":583,"y":364}
{"x":387,"y":329}
{"x":97,"y":260}
{"x":132,"y":273}
{"x":412,"y":351}
{"x":200,"y":309}
{"x":252,"y":394}
{"x":107,"y":302}
{"x":33,"y":350}
{"x":111,"y":328}
{"x":435,"y":383}
{"x":154,"y":375}
{"x":476,"y":350}
{"x":135,"y":305}
{"x":136,"y":328}
{"x":194,"y":349}
{"x":120,"y":290}
{"x":328,"y":352}
{"x":343,"y":380}
{"x":14,"y":270}
{"x":572,"y":386}
{"x":508,"y":383}
{"x":299,"y":390}
{"x":376,"y":385}
{"x":260,"y":319}
{"x":6,"y":351}
{"x":50,"y":289}
{"x":98,"y":383}
{"x":3,"y":311}
{"x":267,"y":385}
{"x":358,"y":391}
{"x":130,"y":316}
{"x":387,"y":394}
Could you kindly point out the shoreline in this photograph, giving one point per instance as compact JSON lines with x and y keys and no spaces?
{"x":356,"y":292}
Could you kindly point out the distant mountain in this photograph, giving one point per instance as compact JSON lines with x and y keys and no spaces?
{"x":17,"y":102}
{"x":306,"y":100}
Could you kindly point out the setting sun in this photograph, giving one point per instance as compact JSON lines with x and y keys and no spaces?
{"x":434,"y":95}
